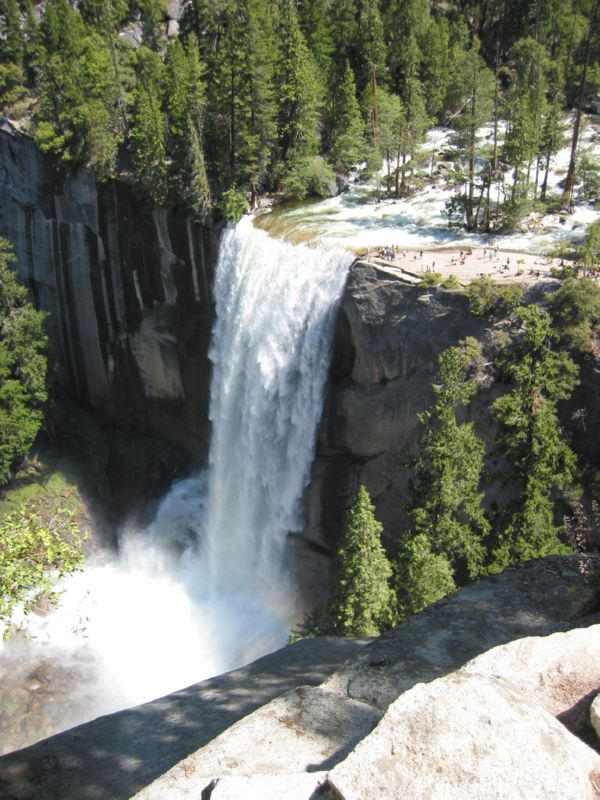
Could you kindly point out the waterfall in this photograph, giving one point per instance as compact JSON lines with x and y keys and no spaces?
{"x":208,"y":586}
{"x":275,"y":306}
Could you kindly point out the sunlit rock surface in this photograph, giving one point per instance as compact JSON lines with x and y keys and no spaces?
{"x":118,"y":755}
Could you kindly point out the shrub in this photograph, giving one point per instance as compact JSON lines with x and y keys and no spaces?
{"x":451,"y":282}
{"x":575,"y":310}
{"x":482,"y":296}
{"x":23,"y":367}
{"x":431,"y":279}
{"x":34,"y":552}
{"x":309,"y":176}
{"x":234,"y":204}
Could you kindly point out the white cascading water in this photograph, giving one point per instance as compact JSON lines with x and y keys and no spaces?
{"x":271,"y":347}
{"x":207,"y":587}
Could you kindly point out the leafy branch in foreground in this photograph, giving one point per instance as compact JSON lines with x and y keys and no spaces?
{"x":35,"y":552}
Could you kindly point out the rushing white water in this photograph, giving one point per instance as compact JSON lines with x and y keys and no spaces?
{"x":275,"y":312}
{"x":208,"y":586}
{"x":355,"y":220}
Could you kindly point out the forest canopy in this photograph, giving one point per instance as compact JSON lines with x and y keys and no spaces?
{"x":240,"y":97}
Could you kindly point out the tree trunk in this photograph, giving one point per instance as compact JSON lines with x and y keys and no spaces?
{"x":545,"y":181}
{"x":403,"y":175}
{"x":567,"y":198}
{"x":472,"y":133}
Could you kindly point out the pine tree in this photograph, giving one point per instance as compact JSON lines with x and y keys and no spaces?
{"x":241,"y":138}
{"x":370,"y":45}
{"x":567,"y":197}
{"x":527,"y":108}
{"x":409,"y":131}
{"x":447,"y":503}
{"x":361,"y":599}
{"x":347,"y":140}
{"x":435,"y":65}
{"x":406,"y":26}
{"x":23,"y":366}
{"x":541,"y":461}
{"x":471,"y":93}
{"x":11,"y":35}
{"x":298,"y":89}
{"x":314,"y":17}
{"x":12,"y":53}
{"x":148,"y":129}
{"x":421,"y":577}
{"x":153,"y":13}
{"x":185,"y":105}
{"x":552,"y":137}
{"x":344,"y":32}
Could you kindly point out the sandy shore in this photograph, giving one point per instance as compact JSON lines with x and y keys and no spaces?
{"x":502,"y":266}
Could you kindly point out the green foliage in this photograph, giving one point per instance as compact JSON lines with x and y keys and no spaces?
{"x":591,"y":246}
{"x":451,"y":282}
{"x":540,"y":459}
{"x":361,"y":600}
{"x":148,"y":129}
{"x":11,"y":84}
{"x":509,"y":298}
{"x":35,"y":551}
{"x":472,"y":91}
{"x":23,"y":366}
{"x":309,"y":176}
{"x":446,"y":501}
{"x":234,"y":204}
{"x":588,"y":171}
{"x":482,"y":296}
{"x":421,"y":577}
{"x":347,"y":139}
{"x":432,"y":279}
{"x":153,"y":13}
{"x":575,"y":310}
{"x":487,"y":297}
{"x":185,"y":106}
{"x":279,"y":81}
{"x":298,"y":90}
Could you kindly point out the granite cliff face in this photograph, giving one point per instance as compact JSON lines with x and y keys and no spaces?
{"x":128,"y":288}
{"x":389,"y":336}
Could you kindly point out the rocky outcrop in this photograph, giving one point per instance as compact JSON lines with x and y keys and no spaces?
{"x":389,"y":335}
{"x":469,"y":736}
{"x":284,"y":733}
{"x":388,"y":338}
{"x":127,"y":288}
{"x":500,"y":726}
{"x":116,"y":755}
